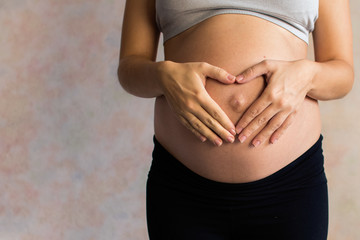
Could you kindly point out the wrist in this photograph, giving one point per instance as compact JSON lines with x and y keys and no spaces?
{"x":312,"y":68}
{"x":164,"y":70}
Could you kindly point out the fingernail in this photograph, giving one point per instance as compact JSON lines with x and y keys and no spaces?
{"x":218,"y":142}
{"x":239,"y":78}
{"x":238,"y":130}
{"x":242,"y":139}
{"x":231,"y":77}
{"x":256,"y":143}
{"x":203,"y":139}
{"x":275,"y":140}
{"x":230,"y":139}
{"x":232,"y":131}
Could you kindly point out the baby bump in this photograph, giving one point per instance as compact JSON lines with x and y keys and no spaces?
{"x":235,"y":98}
{"x":236,"y":162}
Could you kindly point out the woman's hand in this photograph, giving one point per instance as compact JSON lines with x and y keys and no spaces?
{"x":288,"y":83}
{"x":183,"y":85}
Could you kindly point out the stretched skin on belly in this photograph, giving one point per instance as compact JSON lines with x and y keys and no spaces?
{"x":234,"y":99}
{"x":230,"y":42}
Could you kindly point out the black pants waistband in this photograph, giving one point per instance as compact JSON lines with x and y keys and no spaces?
{"x":302,"y":169}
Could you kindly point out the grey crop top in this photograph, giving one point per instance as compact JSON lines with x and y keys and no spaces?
{"x":297,"y":16}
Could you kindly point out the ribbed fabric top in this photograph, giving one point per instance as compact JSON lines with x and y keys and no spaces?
{"x":298,"y":17}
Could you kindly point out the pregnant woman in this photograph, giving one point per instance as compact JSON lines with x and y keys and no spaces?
{"x":237,"y":126}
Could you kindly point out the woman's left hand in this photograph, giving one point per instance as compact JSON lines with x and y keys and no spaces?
{"x":288,"y":83}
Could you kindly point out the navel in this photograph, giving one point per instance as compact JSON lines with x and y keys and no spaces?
{"x":237,"y":103}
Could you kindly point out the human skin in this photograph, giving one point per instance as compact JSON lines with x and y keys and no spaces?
{"x":291,"y":86}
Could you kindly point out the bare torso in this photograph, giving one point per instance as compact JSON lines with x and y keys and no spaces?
{"x":235,"y":42}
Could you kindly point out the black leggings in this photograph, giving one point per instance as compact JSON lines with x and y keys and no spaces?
{"x":291,"y":204}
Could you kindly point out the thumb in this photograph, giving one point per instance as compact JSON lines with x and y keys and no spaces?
{"x":253,"y":72}
{"x":218,"y":74}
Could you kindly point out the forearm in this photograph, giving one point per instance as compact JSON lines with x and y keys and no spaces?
{"x":331,"y":80}
{"x":140,"y":76}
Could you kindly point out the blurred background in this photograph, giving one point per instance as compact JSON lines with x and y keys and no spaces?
{"x":75,"y":148}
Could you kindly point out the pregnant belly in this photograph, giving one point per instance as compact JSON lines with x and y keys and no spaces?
{"x":236,"y":162}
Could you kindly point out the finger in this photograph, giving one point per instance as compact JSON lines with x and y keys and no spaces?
{"x":280,"y":131}
{"x":254,"y":71}
{"x":275,"y":123}
{"x":217,"y":119}
{"x":217,"y":73}
{"x":258,"y":123}
{"x":215,"y":126}
{"x":200,"y":130}
{"x":193,"y":130}
{"x":252,"y":112}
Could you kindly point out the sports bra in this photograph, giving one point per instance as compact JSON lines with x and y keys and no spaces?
{"x":298,"y":16}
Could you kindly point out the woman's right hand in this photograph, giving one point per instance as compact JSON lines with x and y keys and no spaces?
{"x":183,"y":85}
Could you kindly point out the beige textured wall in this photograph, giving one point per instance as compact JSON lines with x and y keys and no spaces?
{"x":75,"y":148}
